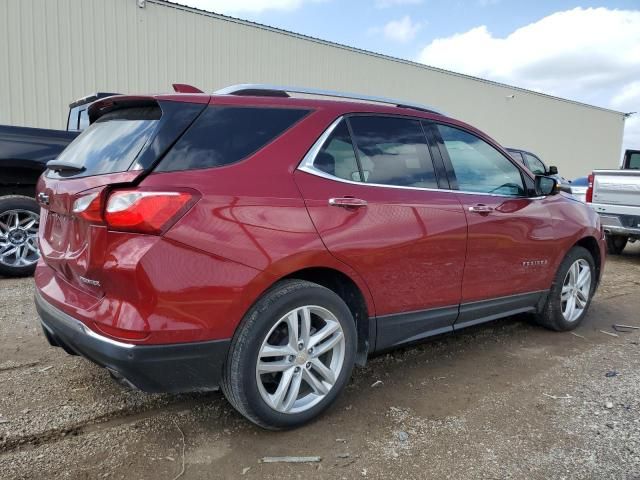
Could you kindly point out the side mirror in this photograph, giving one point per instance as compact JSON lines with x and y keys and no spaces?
{"x":546,"y":186}
{"x":553,"y":170}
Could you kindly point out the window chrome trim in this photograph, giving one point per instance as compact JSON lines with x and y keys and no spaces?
{"x":306,"y":165}
{"x":310,"y":157}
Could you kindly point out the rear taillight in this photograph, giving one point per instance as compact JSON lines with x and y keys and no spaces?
{"x":145,"y":211}
{"x":89,"y":207}
{"x":142,"y":211}
{"x":589,"y":195}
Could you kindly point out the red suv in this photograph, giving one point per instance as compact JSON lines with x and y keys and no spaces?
{"x":265,"y":243}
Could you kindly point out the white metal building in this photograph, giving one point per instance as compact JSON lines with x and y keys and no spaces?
{"x":55,"y":51}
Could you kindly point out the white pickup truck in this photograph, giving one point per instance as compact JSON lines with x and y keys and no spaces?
{"x":615,"y":195}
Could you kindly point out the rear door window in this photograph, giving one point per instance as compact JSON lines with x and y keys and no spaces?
{"x":393,"y":151}
{"x":225,"y":135}
{"x":112,"y":143}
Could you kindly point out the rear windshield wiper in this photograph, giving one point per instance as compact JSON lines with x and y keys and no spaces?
{"x":61,"y":166}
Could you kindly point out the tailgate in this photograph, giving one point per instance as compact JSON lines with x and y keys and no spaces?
{"x":70,"y":245}
{"x":128,"y":135}
{"x":617,"y":187}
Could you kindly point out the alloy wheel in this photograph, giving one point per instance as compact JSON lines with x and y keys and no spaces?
{"x":576,"y":289}
{"x":18,"y":238}
{"x":300,"y":359}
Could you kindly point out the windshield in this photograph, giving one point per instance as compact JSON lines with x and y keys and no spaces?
{"x":112,"y":143}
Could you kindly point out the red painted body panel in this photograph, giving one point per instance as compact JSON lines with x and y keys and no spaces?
{"x":507,"y":246}
{"x":409,"y":242}
{"x":259,"y":220}
{"x":573,"y":221}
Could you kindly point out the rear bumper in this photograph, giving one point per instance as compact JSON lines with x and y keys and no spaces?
{"x":626,"y":225}
{"x":171,"y":368}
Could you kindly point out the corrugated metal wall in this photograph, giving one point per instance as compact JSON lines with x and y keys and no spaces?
{"x":54,"y":51}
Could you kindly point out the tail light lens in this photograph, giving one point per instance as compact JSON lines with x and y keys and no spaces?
{"x":589,"y":195}
{"x":145,"y":211}
{"x":89,"y":207}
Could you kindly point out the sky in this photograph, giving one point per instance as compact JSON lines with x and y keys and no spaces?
{"x":582,"y":50}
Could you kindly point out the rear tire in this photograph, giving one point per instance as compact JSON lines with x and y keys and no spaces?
{"x":616,"y":244}
{"x":17,"y":242}
{"x":280,"y":378}
{"x":575,"y":281}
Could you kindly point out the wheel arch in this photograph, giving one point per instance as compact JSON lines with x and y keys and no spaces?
{"x":352,"y":294}
{"x":592,"y":246}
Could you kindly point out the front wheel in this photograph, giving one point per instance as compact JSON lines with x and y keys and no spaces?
{"x":19,"y":218}
{"x":571,"y":292}
{"x":291,"y":356}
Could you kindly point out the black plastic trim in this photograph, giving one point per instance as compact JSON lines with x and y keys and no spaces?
{"x":397,"y":329}
{"x":174,"y":368}
{"x":486,"y":310}
{"x":438,"y":162}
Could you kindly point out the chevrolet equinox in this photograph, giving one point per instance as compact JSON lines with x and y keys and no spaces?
{"x":265,"y":242}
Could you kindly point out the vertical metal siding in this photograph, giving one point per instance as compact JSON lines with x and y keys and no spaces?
{"x":52,"y":52}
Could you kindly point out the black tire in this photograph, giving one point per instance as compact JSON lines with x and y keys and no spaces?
{"x":551,"y":316}
{"x":239,"y":383}
{"x":17,"y":202}
{"x":616,"y":244}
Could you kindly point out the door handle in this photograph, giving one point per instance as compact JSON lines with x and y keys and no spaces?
{"x":481,"y":209}
{"x":347,"y":202}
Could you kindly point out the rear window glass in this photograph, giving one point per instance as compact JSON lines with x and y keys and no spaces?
{"x":112,"y":143}
{"x":224,"y":135}
{"x":393,"y":151}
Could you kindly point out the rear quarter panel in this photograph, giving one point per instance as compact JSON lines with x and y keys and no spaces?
{"x":252,"y":214}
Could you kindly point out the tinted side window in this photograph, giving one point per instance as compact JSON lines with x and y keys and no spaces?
{"x":478,"y":166}
{"x":224,"y":135}
{"x":393,"y":151}
{"x":634,"y":161}
{"x":337,"y":157}
{"x":535,"y":165}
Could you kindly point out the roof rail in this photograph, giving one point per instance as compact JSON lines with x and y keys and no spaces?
{"x":265,"y":90}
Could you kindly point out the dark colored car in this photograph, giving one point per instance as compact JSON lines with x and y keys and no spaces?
{"x":24,"y":153}
{"x":535,"y":165}
{"x":265,"y":243}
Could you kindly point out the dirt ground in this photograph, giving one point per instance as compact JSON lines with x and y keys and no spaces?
{"x":502,"y":400}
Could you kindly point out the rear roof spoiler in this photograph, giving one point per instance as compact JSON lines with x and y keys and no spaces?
{"x":91,"y":98}
{"x":109,"y":104}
